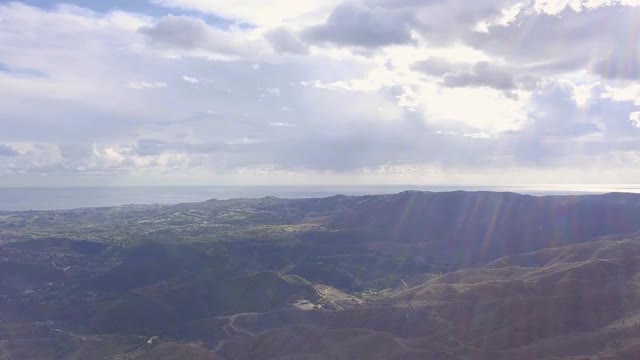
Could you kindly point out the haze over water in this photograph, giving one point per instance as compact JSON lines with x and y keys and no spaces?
{"x":19,"y":199}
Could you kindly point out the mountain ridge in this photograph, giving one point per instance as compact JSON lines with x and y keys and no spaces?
{"x":457,"y":275}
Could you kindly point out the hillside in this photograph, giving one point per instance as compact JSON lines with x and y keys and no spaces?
{"x":476,"y":228}
{"x":412,"y":275}
{"x":568,"y":310}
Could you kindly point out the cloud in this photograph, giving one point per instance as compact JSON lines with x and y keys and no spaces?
{"x":480,"y":74}
{"x":442,"y":22}
{"x":351,"y":24}
{"x":193,"y":36}
{"x":556,"y":113}
{"x":258,"y":12}
{"x":33,"y":159}
{"x":572,"y":37}
{"x":623,"y":62}
{"x":634,"y":117}
{"x":138,"y":85}
{"x":285,"y":40}
{"x":6,"y":150}
{"x":436,"y":66}
{"x":282,"y":124}
{"x":322,"y":91}
{"x":190,"y":79}
{"x":273,"y":92}
{"x":483,"y":74}
{"x":630,"y":93}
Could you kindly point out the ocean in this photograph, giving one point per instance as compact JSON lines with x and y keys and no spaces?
{"x":19,"y":199}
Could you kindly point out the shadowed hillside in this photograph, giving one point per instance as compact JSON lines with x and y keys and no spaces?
{"x":475,"y":228}
{"x":563,"y":311}
{"x":407,"y":276}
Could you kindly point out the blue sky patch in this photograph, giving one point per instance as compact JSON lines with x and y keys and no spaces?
{"x":20,"y":72}
{"x":139,"y":6}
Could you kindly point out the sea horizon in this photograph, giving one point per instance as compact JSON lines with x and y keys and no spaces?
{"x":64,"y":198}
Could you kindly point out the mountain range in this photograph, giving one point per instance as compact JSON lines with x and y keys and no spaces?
{"x":414,"y":275}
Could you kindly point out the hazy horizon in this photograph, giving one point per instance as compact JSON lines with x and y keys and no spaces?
{"x":59,"y":198}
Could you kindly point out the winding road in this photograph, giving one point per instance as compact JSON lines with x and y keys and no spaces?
{"x":232,"y":331}
{"x":235,"y":333}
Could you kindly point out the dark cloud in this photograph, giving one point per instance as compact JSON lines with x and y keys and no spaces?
{"x":483,"y":74}
{"x":461,"y":12}
{"x":357,"y":25}
{"x":560,"y":133}
{"x":621,"y":63}
{"x":442,"y":22}
{"x":556,"y":114}
{"x":6,"y":150}
{"x":193,"y":34}
{"x":436,"y":66}
{"x":285,"y":40}
{"x":178,"y":31}
{"x":480,"y":74}
{"x":568,"y":41}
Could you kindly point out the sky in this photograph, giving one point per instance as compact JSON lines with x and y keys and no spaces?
{"x":254,"y":92}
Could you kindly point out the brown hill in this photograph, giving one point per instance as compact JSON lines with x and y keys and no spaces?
{"x":460,"y":228}
{"x":177,"y":351}
{"x":164,"y":307}
{"x":294,"y":343}
{"x":583,"y":301}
